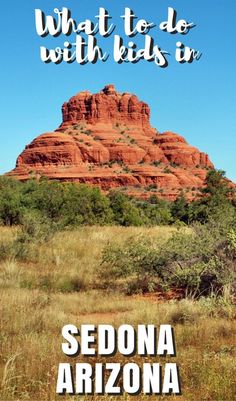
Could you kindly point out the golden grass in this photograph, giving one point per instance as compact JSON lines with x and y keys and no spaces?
{"x":70,"y":256}
{"x":33,"y":310}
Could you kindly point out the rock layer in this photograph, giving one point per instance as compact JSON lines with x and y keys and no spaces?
{"x":106,"y":139}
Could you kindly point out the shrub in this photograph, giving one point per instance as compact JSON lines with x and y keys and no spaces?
{"x":201,"y":263}
{"x":167,"y":170}
{"x":124,"y":210}
{"x":35,"y":229}
{"x":157,"y":211}
{"x":179,"y":209}
{"x":10,"y":201}
{"x":184,"y":312}
{"x":216,"y":201}
{"x":70,"y":284}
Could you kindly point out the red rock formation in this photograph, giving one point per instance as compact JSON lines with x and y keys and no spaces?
{"x":106,"y":106}
{"x":106,"y":139}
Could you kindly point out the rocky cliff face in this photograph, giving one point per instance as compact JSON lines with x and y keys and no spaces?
{"x":105,"y":139}
{"x":106,"y":106}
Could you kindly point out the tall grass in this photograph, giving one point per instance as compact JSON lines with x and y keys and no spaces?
{"x":69,"y":261}
{"x":58,"y":284}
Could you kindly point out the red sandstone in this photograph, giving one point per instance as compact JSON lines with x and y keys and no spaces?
{"x":106,"y":139}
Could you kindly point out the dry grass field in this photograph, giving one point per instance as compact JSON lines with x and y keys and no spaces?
{"x":59,"y":284}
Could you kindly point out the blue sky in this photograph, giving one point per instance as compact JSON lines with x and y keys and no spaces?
{"x":197,"y":100}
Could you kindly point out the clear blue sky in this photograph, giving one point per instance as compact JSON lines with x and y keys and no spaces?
{"x":197,"y":100}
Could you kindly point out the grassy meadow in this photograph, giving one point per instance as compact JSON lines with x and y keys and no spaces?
{"x":59,"y":282}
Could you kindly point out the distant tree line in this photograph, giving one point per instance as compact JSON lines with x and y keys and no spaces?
{"x":72,"y":204}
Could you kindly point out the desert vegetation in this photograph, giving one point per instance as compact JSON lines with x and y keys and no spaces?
{"x":59,"y":281}
{"x":71,"y":205}
{"x":69,"y":254}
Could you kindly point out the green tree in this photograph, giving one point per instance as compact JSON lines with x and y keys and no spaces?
{"x":85,"y":205}
{"x":10,"y":201}
{"x":180,"y":209}
{"x":216,"y":184}
{"x":215,"y":203}
{"x":157,"y":211}
{"x":124,"y":210}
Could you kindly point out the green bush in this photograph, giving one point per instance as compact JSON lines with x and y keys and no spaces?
{"x":183,"y":313}
{"x":124,"y":210}
{"x":70,"y":284}
{"x":157,"y":211}
{"x":11,"y":207}
{"x":201,"y":263}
